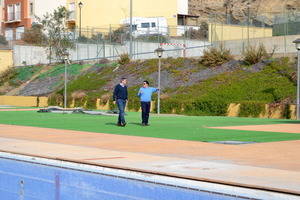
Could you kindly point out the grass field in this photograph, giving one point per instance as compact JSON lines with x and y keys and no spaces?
{"x":171,"y":127}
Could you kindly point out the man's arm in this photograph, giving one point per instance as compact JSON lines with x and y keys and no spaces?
{"x":155,"y":89}
{"x":140,"y":93}
{"x":115,"y":93}
{"x":126,"y":98}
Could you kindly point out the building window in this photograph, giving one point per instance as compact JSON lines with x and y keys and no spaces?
{"x":153,"y":24}
{"x":10,"y":12}
{"x":9,"y":34}
{"x":181,"y":20}
{"x":17,"y":11}
{"x":134,"y":27}
{"x":145,"y":25}
{"x":14,"y":12}
{"x":19,"y":32}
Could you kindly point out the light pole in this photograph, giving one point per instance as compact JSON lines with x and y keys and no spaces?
{"x":159,"y":51}
{"x":66,"y":60}
{"x":297,"y":42}
{"x":130,"y":31}
{"x":80,"y":4}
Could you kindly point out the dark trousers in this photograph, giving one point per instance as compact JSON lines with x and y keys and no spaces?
{"x":145,"y":111}
{"x":121,"y":105}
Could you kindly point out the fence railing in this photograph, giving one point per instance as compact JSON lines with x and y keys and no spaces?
{"x":273,"y":31}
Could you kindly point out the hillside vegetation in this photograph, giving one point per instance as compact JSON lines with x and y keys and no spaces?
{"x":189,"y":86}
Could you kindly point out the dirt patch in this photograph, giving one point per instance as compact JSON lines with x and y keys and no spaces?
{"x":281,"y":128}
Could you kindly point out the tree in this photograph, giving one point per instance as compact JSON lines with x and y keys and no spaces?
{"x":54,"y":25}
{"x":119,"y":35}
{"x":3,"y":40}
{"x":34,"y":35}
{"x":199,"y":34}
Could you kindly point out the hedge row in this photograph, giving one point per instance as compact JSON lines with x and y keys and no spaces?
{"x":195,"y":107}
{"x":173,"y":106}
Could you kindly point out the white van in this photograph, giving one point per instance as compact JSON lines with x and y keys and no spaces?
{"x":147,"y":25}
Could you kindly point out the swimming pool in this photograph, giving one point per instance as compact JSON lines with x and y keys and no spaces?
{"x":32,"y":178}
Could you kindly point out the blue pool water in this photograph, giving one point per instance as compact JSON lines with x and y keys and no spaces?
{"x":21,"y":180}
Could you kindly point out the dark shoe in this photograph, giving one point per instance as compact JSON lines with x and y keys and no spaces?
{"x":123,"y":125}
{"x":147,"y":124}
{"x":119,"y":124}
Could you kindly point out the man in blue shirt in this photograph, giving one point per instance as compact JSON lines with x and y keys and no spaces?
{"x":120,"y":97}
{"x":145,"y":94}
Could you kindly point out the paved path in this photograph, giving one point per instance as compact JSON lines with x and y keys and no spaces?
{"x":273,"y":166}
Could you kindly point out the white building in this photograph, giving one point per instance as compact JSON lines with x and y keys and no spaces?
{"x":147,"y":25}
{"x":41,"y":7}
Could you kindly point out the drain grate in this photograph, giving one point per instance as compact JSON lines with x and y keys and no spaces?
{"x":232,"y":142}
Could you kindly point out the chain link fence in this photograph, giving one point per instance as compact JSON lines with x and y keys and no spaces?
{"x":275,"y":31}
{"x":113,"y":41}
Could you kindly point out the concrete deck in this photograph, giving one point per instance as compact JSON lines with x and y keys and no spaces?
{"x":269,"y":166}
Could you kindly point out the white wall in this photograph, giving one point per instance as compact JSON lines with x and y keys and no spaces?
{"x":38,"y":55}
{"x":182,"y":7}
{"x":41,"y":7}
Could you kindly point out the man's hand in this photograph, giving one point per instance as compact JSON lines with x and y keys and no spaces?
{"x":114,"y":102}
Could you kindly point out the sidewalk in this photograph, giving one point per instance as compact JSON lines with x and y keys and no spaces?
{"x":270,"y":166}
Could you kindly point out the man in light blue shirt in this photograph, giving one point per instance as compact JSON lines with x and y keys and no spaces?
{"x":145,"y":94}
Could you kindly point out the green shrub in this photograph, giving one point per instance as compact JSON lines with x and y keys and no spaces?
{"x":254,"y":54}
{"x":91,"y":102}
{"x":133,"y":99}
{"x":69,"y":100}
{"x":194,"y":107}
{"x":34,"y":35}
{"x":3,"y":40}
{"x":83,"y":39}
{"x":251,"y":109}
{"x":200,"y":34}
{"x":206,"y":107}
{"x":215,"y":57}
{"x":79,"y":102}
{"x":111,"y":104}
{"x":96,"y":37}
{"x":8,"y":75}
{"x":124,"y":59}
{"x":170,"y":106}
{"x":104,"y":99}
{"x":55,"y":100}
{"x":286,"y":111}
{"x":134,"y":104}
{"x":119,"y":35}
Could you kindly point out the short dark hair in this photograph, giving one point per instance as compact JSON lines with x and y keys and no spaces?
{"x":146,"y":82}
{"x":122,"y":79}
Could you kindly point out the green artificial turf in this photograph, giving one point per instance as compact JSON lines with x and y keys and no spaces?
{"x":172,"y":127}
